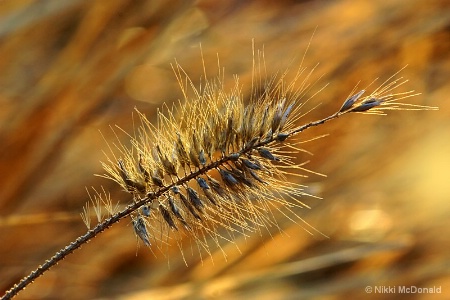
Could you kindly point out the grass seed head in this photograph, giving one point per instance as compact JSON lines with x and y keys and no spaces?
{"x":217,"y":163}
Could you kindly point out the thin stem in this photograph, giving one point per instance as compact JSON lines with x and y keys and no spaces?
{"x":315,"y":123}
{"x":61,"y":254}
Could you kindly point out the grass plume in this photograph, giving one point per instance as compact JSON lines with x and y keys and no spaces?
{"x":216,"y":165}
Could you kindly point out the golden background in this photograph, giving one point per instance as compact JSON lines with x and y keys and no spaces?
{"x":71,"y":68}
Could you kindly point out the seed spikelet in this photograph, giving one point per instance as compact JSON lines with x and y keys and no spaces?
{"x":214,"y":165}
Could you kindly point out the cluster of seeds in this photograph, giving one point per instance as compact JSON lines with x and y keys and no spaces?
{"x":215,"y":166}
{"x":212,"y":163}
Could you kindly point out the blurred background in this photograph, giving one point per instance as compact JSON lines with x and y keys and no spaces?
{"x":70,"y":69}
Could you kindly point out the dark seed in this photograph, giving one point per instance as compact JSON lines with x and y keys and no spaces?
{"x":277,"y":115}
{"x":189,"y":206}
{"x":195,"y":200}
{"x":210,"y":197}
{"x":139,"y":187}
{"x":366,"y":105}
{"x":254,"y":175}
{"x":174,"y":208}
{"x":282,"y":136}
{"x":240,"y":176}
{"x":195,"y":142}
{"x":194,"y":158}
{"x":167,"y":217}
{"x":266,"y":154}
{"x":228,"y":178}
{"x":146,"y":210}
{"x":350,"y":101}
{"x":123,"y":172}
{"x":201,"y":157}
{"x":286,"y":115}
{"x":234,"y":156}
{"x":181,"y":150}
{"x":156,"y":180}
{"x":251,"y":143}
{"x":202,"y":183}
{"x":141,"y":230}
{"x":167,"y":164}
{"x":176,"y":189}
{"x":143,"y":170}
{"x":217,"y":188}
{"x":130,"y":184}
{"x":229,"y":128}
{"x":177,"y":213}
{"x":251,"y":165}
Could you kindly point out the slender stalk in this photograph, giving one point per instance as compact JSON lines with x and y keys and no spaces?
{"x":89,"y":235}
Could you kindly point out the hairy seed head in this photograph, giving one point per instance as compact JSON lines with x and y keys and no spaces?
{"x":216,"y":162}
